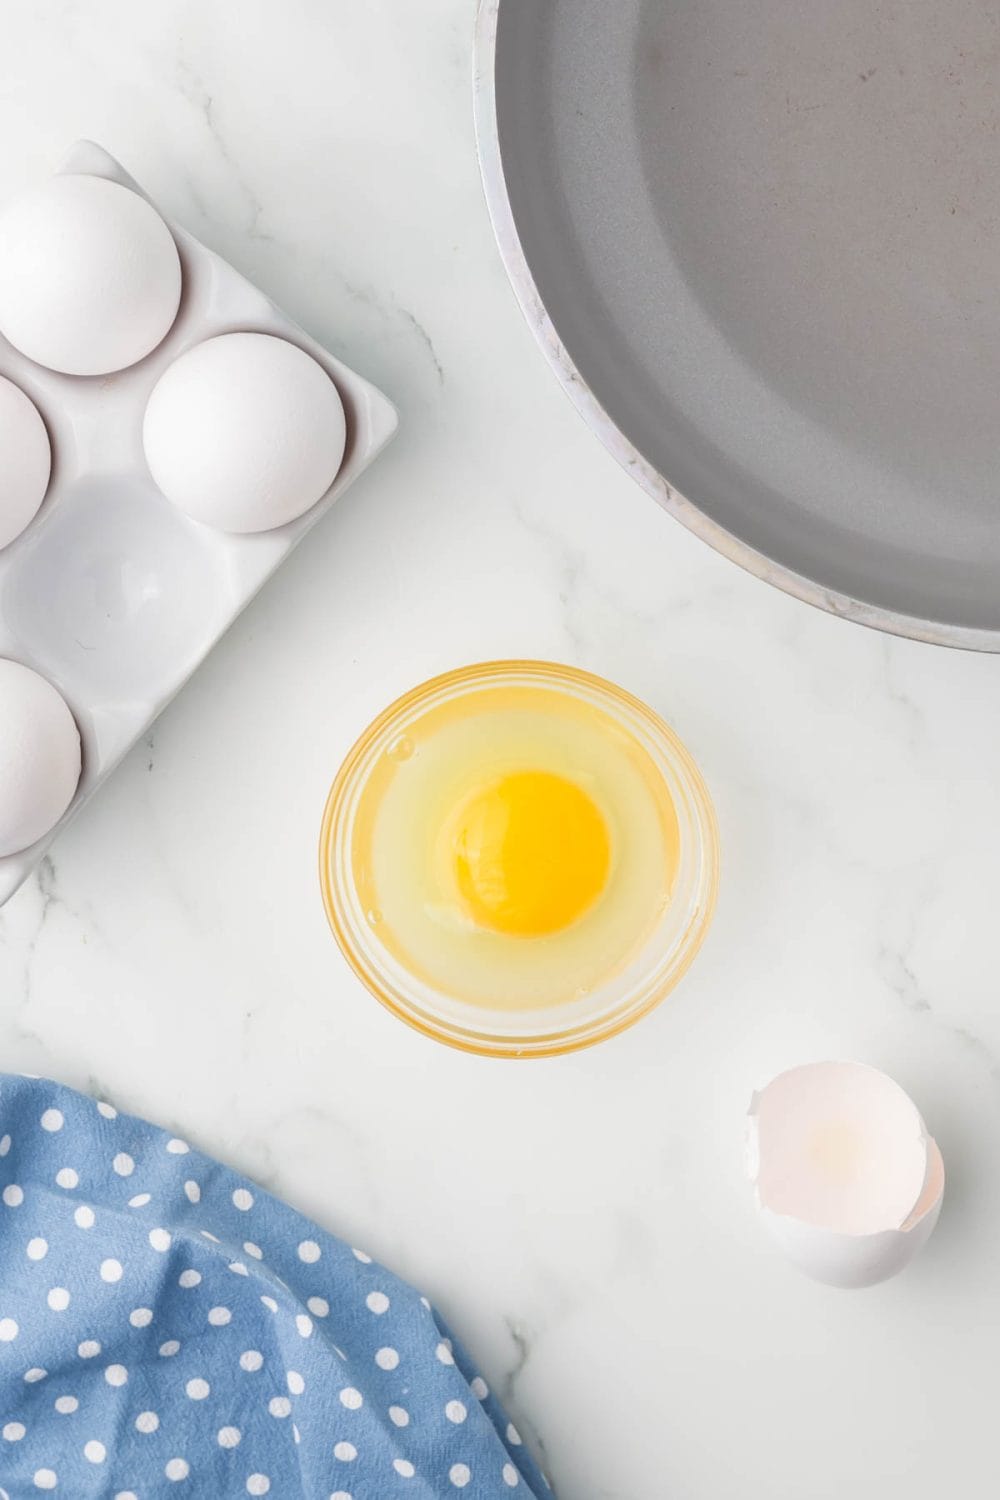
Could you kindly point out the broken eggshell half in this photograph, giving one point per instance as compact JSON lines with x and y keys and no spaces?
{"x":847,"y":1179}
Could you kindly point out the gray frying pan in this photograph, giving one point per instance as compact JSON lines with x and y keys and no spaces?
{"x":759,"y":241}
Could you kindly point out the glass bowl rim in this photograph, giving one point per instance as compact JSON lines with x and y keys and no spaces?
{"x":471,"y":676}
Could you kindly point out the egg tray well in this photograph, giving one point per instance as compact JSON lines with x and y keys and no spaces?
{"x":112,"y":593}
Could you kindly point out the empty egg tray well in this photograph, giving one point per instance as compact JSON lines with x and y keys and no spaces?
{"x":111,"y":592}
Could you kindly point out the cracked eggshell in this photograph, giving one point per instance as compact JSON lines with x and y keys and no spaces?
{"x":848,"y":1182}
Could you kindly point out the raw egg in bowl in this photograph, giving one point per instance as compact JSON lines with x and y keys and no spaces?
{"x":519,"y":858}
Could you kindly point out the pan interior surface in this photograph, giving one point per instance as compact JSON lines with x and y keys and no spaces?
{"x":768,"y":235}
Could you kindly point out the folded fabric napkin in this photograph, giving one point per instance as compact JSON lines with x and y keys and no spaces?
{"x":167,"y":1328}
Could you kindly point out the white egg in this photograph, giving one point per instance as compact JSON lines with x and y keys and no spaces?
{"x":39,"y":756}
{"x":848,"y":1181}
{"x":244,"y":432}
{"x":25,"y":461}
{"x":90,"y":278}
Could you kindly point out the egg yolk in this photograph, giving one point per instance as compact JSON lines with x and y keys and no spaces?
{"x":530,"y":852}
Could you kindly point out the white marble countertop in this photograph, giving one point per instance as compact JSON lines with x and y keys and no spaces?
{"x":583,"y":1222}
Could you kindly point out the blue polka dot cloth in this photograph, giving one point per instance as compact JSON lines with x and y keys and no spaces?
{"x":167,"y":1328}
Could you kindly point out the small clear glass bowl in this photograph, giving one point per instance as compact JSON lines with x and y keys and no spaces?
{"x":631,"y":991}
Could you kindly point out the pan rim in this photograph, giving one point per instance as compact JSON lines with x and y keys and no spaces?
{"x":574,"y":383}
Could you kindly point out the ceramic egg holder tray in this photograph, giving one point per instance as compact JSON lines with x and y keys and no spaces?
{"x":111,"y":592}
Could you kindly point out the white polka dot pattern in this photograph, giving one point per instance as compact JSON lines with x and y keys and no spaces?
{"x":187,"y":1320}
